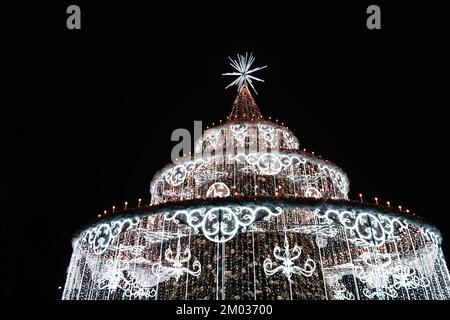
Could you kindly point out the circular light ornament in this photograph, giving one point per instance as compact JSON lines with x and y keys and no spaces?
{"x":218,"y":190}
{"x":269,"y":164}
{"x":312,"y":193}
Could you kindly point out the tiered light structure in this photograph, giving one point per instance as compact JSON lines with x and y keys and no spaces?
{"x":251,"y":216}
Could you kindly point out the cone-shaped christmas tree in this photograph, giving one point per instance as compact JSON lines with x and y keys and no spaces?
{"x":263,"y":221}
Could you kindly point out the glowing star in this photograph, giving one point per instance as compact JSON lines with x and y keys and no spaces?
{"x":242,"y":66}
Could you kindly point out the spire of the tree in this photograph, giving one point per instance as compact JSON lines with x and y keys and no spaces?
{"x":244,"y":107}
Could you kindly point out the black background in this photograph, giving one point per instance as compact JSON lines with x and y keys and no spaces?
{"x":87,"y":115}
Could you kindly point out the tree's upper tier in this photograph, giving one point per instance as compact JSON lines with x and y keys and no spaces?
{"x":248,"y":156}
{"x":253,"y":136}
{"x":245,"y":128}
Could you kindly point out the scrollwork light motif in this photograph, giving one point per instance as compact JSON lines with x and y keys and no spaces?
{"x":290,"y":140}
{"x":101,"y":236}
{"x":116,"y":275}
{"x":220,"y":224}
{"x":278,"y":161}
{"x":139,"y":293}
{"x":407,"y":277}
{"x":177,"y":175}
{"x":430,"y":235}
{"x":383,"y":279}
{"x":341,"y":293}
{"x":370,"y":229}
{"x":206,"y":174}
{"x":381,"y":293}
{"x":239,"y":133}
{"x":324,"y":230}
{"x":268,"y":134}
{"x":273,"y":136}
{"x":177,"y":261}
{"x":113,"y":274}
{"x":339,"y":290}
{"x":213,"y":139}
{"x":376,"y":275}
{"x":288,"y":257}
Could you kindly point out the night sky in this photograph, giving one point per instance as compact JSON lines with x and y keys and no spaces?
{"x":92,"y":111}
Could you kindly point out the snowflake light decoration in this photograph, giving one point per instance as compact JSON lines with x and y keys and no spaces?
{"x":177,"y":260}
{"x":242,"y":66}
{"x":288,"y":267}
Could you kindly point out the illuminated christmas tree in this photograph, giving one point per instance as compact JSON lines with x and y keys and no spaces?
{"x":251,"y":216}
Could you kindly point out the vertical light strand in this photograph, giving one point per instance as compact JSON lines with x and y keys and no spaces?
{"x":254,"y":267}
{"x":66,"y":295}
{"x":316,"y":221}
{"x":137,"y":241}
{"x":94,"y":277}
{"x":376,"y":271}
{"x":415,"y":254}
{"x":353,"y":265}
{"x":223,"y":270}
{"x":217,"y":271}
{"x":285,"y":236}
{"x":115,"y":259}
{"x":431,"y":265}
{"x":82,"y":275}
{"x":187,"y":273}
{"x":160,"y":255}
{"x":446,"y":274}
{"x":398,"y":255}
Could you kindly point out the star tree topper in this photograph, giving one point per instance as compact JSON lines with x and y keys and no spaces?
{"x":242,"y":66}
